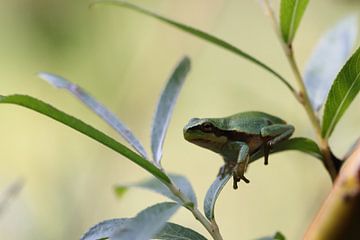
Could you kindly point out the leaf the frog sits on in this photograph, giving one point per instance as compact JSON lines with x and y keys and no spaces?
{"x":237,"y":137}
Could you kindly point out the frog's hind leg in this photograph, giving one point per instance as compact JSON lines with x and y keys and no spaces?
{"x":278,"y":133}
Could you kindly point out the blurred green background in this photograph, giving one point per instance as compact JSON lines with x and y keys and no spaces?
{"x":123,"y":59}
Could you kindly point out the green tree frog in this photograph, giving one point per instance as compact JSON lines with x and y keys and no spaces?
{"x":237,"y":137}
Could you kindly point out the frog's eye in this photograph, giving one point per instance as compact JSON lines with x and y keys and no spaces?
{"x":207,"y":127}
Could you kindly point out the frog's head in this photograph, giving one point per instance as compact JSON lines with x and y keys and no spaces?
{"x":205,"y":133}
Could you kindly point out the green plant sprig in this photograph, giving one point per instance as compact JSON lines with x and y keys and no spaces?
{"x":303,"y":96}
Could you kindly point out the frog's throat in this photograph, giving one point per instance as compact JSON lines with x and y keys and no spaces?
{"x":210,"y":141}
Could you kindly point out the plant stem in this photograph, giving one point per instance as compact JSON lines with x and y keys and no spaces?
{"x":303,"y":96}
{"x":324,"y":145}
{"x":212,"y":228}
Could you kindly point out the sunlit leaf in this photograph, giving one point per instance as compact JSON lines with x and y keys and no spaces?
{"x":109,"y":117}
{"x":155,"y":185}
{"x":291,"y":12}
{"x":165,"y":107}
{"x":80,"y":126}
{"x":173,"y":231}
{"x":212,"y":195}
{"x":343,"y":91}
{"x":147,"y":223}
{"x":104,"y":229}
{"x":330,"y":54}
{"x":197,"y":33}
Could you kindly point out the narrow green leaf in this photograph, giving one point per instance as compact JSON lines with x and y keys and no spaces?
{"x":170,"y":231}
{"x":104,"y":229}
{"x":155,"y":185}
{"x":301,"y":144}
{"x":48,"y":110}
{"x":147,"y":223}
{"x":291,"y":12}
{"x":343,"y":91}
{"x":197,"y":33}
{"x":212,"y":195}
{"x":173,"y":231}
{"x":109,"y":117}
{"x":165,"y":107}
{"x":330,"y":54}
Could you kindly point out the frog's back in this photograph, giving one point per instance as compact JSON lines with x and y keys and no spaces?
{"x":251,"y":122}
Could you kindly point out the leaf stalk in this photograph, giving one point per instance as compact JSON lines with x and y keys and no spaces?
{"x":211,"y":227}
{"x":302,"y":96}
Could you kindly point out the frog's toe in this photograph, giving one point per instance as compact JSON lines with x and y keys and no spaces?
{"x":245,"y":179}
{"x":237,"y":179}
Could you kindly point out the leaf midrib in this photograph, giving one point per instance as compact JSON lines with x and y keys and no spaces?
{"x":292,"y":23}
{"x":333,"y":121}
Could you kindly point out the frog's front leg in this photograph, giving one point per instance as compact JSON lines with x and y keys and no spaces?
{"x":277,"y":133}
{"x":238,"y":161}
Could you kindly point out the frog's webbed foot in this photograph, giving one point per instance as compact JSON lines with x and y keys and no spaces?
{"x":237,"y":171}
{"x":238,"y":175}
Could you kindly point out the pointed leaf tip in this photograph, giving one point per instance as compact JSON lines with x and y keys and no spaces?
{"x":166,"y":106}
{"x":55,"y":80}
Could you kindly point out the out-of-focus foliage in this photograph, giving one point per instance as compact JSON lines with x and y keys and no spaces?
{"x":123,"y":59}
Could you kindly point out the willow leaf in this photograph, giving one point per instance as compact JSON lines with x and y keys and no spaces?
{"x":48,"y":110}
{"x":109,"y":117}
{"x":165,"y":107}
{"x":343,"y":91}
{"x":291,"y":12}
{"x":197,"y":33}
{"x":328,"y":57}
{"x":147,"y":223}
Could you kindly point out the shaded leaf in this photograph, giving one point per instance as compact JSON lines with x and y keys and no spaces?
{"x":330,"y":54}
{"x":105,"y":229}
{"x":165,"y":107}
{"x":197,"y":33}
{"x":212,"y":195}
{"x":155,"y":185}
{"x":291,"y":12}
{"x":343,"y":91}
{"x":48,"y":110}
{"x":277,"y":236}
{"x":173,"y":231}
{"x":109,"y":117}
{"x":301,"y":144}
{"x":147,"y":223}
